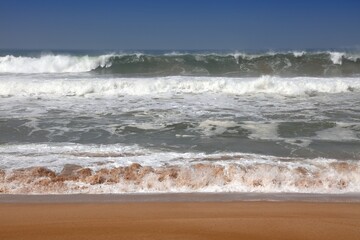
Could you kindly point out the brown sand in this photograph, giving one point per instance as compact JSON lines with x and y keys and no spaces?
{"x":180,"y":220}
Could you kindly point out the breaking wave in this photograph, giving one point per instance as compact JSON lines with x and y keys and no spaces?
{"x":52,"y":64}
{"x":113,"y":169}
{"x":211,"y":64}
{"x":112,"y":87}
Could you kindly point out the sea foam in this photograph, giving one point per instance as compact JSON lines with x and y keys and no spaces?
{"x":107,"y":87}
{"x":52,"y":63}
{"x":117,"y":169}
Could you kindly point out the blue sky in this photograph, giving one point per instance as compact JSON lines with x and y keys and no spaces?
{"x":185,"y":24}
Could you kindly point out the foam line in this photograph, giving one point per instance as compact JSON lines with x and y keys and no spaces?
{"x":107,"y":87}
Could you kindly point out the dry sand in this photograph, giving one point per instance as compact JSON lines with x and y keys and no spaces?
{"x":180,"y":220}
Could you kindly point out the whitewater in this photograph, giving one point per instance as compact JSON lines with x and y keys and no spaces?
{"x":179,"y":122}
{"x":107,"y":87}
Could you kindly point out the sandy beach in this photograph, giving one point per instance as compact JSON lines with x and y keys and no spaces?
{"x":180,"y":220}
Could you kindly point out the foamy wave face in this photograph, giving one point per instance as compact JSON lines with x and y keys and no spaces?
{"x":27,"y":87}
{"x":117,"y":169}
{"x":52,"y":64}
{"x":336,"y":57}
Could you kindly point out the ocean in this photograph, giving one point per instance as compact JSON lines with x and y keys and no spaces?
{"x":182,"y":121}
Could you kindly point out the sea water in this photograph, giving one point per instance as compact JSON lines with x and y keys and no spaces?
{"x":110,"y":122}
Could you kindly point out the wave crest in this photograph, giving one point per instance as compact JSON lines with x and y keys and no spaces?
{"x":113,"y":87}
{"x":52,"y":64}
{"x":211,"y":64}
{"x":216,"y":174}
{"x":33,"y":168}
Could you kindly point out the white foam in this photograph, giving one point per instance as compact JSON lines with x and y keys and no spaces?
{"x":55,"y":156}
{"x":196,"y":172}
{"x":176,"y":53}
{"x":148,"y":126}
{"x":341,"y":132}
{"x":264,"y":131}
{"x":216,"y":127}
{"x":52,"y":63}
{"x":28,"y":86}
{"x":242,"y":55}
{"x":299,"y":54}
{"x":336,"y":57}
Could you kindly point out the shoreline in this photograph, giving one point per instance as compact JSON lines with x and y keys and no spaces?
{"x":180,"y":197}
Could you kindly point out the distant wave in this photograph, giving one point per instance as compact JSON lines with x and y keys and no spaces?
{"x":52,"y":63}
{"x":175,"y":63}
{"x":107,"y":87}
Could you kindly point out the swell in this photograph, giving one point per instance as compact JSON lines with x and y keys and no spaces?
{"x":236,"y":64}
{"x":242,"y":65}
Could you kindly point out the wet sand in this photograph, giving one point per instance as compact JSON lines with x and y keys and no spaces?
{"x":180,"y":220}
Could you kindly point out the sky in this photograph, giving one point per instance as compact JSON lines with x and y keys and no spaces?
{"x":179,"y":24}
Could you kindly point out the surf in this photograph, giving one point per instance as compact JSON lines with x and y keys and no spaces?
{"x":287,"y":64}
{"x":70,"y":86}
